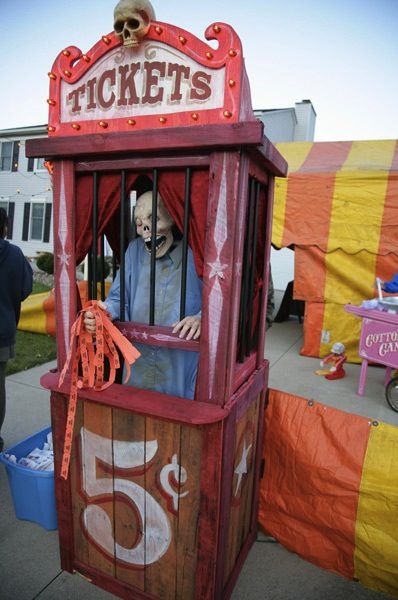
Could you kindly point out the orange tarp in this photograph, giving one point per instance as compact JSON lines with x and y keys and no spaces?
{"x":339,"y":209}
{"x":330,"y":489}
{"x":309,"y":495}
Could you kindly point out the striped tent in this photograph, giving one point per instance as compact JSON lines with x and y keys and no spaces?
{"x":338,"y":208}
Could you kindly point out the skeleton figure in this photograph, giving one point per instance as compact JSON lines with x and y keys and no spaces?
{"x":162,"y":369}
{"x":132,"y":19}
{"x":143,"y":221}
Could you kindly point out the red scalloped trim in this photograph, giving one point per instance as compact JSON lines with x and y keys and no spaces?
{"x":71,"y":64}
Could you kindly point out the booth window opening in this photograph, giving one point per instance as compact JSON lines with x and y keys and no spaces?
{"x":101,"y":260}
{"x":251,"y":297}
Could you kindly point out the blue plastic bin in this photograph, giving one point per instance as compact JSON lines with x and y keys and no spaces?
{"x":32,"y":491}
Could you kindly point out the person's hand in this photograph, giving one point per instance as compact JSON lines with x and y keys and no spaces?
{"x":89,"y":319}
{"x":188,"y":328}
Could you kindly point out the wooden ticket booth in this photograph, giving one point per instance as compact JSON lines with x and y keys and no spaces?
{"x":162,"y":493}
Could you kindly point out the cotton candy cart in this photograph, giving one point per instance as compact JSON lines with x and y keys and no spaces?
{"x":378,"y":342}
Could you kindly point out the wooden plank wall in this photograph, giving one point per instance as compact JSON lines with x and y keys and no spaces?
{"x":133,"y":475}
{"x":246,"y":440}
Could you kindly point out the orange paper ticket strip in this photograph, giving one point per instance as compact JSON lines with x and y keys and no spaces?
{"x":108,"y":340}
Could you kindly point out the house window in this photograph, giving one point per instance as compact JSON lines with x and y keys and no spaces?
{"x":9,"y":156}
{"x":36,"y":221}
{"x":9,"y":208}
{"x":36,"y":164}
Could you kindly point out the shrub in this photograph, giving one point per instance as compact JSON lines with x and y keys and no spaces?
{"x":45,"y":262}
{"x":107,"y":268}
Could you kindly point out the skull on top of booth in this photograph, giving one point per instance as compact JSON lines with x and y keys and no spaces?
{"x":143,"y":221}
{"x":132,"y":19}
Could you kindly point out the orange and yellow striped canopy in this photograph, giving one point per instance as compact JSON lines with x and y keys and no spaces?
{"x":338,"y":208}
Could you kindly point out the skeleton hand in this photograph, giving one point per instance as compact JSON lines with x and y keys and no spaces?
{"x":189,"y":328}
{"x":89,"y":320}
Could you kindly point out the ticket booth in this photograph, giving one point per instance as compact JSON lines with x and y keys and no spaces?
{"x":162,"y":491}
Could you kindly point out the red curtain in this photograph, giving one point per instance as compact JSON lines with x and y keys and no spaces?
{"x":171,"y":188}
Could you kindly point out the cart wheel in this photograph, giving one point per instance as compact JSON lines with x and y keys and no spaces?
{"x":392,"y":393}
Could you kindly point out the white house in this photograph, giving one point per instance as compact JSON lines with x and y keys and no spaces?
{"x":25,"y":191}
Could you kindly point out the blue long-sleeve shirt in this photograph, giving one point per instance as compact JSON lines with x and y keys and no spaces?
{"x":16,"y":279}
{"x":162,"y":369}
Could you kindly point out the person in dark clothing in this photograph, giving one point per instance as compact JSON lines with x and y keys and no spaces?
{"x":16,"y":280}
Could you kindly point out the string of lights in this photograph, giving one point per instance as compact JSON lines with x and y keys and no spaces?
{"x":19,"y":194}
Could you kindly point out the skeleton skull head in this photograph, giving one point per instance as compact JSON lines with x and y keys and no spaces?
{"x":132,"y":19}
{"x":143,"y":221}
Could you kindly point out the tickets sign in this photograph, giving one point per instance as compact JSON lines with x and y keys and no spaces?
{"x":172,"y":78}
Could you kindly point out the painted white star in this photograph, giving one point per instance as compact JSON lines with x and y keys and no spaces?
{"x":217,"y":268}
{"x":64,"y":258}
{"x":241,"y":469}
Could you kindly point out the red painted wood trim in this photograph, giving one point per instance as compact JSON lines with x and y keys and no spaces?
{"x":209,"y":511}
{"x":248,"y":392}
{"x":228,"y":589}
{"x":143,"y":402}
{"x":226,"y":487}
{"x":257,"y":171}
{"x":270,"y":157}
{"x":64,"y":255}
{"x":218,"y":269}
{"x":110,"y":584}
{"x":267,"y":258}
{"x":143,"y":163}
{"x":62,"y":488}
{"x":155,"y":335}
{"x":244,"y":370}
{"x":249,"y":133}
{"x":239,"y":235}
{"x":259,"y":458}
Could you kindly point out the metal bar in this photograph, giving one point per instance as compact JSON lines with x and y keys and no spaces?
{"x":114,"y":266}
{"x":102,"y":266}
{"x":89,"y":275}
{"x":152,"y":290}
{"x":122,"y":244}
{"x":252,"y":277}
{"x":95,"y":236}
{"x":245,"y":276}
{"x":184,"y":265}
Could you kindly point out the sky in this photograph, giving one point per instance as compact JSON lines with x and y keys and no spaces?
{"x":340,"y":54}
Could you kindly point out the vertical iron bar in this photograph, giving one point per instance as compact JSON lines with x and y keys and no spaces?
{"x":90,"y":274}
{"x":252,"y":270}
{"x":102,"y":267}
{"x":122,"y":244}
{"x":245,"y":275}
{"x":95,"y":236}
{"x":114,"y":266}
{"x":153,"y":248}
{"x":184,"y":265}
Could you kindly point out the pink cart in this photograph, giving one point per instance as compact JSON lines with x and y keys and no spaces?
{"x":379,"y":341}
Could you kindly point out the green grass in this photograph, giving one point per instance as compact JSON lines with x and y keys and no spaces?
{"x":32,"y":349}
{"x":40,"y":287}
